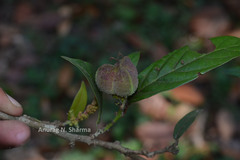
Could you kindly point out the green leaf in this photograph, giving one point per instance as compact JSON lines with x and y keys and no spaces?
{"x":182,"y":66}
{"x":184,"y":123}
{"x":88,"y":71}
{"x":235,"y":71}
{"x":134,"y":57}
{"x":79,"y":102}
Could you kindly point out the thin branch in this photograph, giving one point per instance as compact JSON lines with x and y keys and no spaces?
{"x":122,"y":106}
{"x":52,"y":126}
{"x":108,"y":126}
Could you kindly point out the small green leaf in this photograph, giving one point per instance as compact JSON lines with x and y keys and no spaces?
{"x":88,"y":71}
{"x":134,"y":57}
{"x":184,"y":123}
{"x":235,"y":71}
{"x":182,"y":66}
{"x":79,"y":102}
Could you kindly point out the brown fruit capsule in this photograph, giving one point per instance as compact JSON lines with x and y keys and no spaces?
{"x":119,"y":79}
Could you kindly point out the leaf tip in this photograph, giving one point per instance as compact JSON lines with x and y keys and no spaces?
{"x":66,"y":58}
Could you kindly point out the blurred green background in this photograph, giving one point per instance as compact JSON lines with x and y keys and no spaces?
{"x":35,"y":34}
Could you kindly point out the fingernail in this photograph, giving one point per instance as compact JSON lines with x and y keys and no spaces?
{"x":13,"y":101}
{"x":21,"y":136}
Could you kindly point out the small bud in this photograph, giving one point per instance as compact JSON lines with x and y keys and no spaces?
{"x":119,"y":79}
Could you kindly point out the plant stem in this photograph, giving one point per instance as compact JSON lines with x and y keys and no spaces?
{"x":109,"y":125}
{"x":118,"y":116}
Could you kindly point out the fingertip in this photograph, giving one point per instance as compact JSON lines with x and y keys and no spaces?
{"x":13,"y":133}
{"x":9,"y":105}
{"x":23,"y":135}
